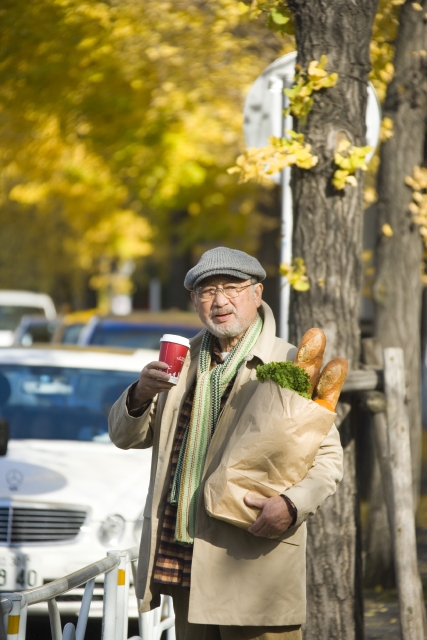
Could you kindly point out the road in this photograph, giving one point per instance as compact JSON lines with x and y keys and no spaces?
{"x":38,"y":628}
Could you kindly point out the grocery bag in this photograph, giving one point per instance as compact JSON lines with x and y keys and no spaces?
{"x":272,"y":448}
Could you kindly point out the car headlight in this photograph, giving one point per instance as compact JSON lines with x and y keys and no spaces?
{"x":111,"y":530}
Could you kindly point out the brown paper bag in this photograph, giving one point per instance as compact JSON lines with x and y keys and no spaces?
{"x":272,"y":448}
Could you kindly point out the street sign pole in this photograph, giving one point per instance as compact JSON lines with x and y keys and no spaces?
{"x":280,"y":124}
{"x":287,"y":223}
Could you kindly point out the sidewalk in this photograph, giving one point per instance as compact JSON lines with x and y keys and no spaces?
{"x":381,"y":607}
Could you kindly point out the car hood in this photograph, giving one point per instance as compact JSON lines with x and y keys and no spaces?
{"x":6,"y":338}
{"x":95,"y":475}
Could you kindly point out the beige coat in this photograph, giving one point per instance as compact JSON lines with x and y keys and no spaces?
{"x":236,"y":578}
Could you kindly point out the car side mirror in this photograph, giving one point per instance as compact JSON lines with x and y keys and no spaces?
{"x":4,"y":436}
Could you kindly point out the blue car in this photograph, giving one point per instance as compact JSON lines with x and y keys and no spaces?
{"x":141,"y":331}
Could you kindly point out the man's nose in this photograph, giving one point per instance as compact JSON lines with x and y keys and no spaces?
{"x":220,"y":299}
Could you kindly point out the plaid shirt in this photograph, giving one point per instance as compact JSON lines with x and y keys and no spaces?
{"x":173,"y":560}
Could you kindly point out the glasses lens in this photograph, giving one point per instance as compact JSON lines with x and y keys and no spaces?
{"x":231,"y":291}
{"x":206,"y":294}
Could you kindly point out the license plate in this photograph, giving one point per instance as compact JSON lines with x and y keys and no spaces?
{"x":18,"y":571}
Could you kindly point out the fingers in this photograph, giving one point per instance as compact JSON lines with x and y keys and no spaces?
{"x":258,"y":503}
{"x":155,"y":371}
{"x":261,"y":527}
{"x":274,"y":518}
{"x":152,"y":380}
{"x":156,"y":365}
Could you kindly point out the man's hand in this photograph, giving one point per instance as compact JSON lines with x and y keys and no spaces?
{"x":274,"y":518}
{"x":152,"y":380}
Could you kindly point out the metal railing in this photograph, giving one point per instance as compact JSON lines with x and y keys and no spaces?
{"x":116,"y":567}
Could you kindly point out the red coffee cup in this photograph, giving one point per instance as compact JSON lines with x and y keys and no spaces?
{"x":173,"y":350}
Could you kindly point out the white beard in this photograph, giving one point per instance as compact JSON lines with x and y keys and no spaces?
{"x":231,"y":331}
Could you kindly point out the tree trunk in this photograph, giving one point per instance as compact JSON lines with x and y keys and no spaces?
{"x":328,"y":235}
{"x":398,"y":287}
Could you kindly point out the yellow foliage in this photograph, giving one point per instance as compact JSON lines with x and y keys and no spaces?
{"x":109,"y":118}
{"x":418,"y":206}
{"x":387,"y":230}
{"x":382,"y":44}
{"x":386,"y":129}
{"x":305,"y":83}
{"x":370,"y":196}
{"x":296,"y":274}
{"x":348,"y":158}
{"x":258,"y":164}
{"x":279,"y":16}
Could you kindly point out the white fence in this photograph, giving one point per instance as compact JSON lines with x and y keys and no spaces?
{"x":116,"y":567}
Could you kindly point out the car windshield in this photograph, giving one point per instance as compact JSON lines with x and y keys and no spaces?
{"x":56,"y":403}
{"x":10,"y":315}
{"x":71,"y":333}
{"x":137,"y":337}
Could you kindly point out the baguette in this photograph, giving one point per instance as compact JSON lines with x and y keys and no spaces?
{"x":330,"y":383}
{"x":310,"y":354}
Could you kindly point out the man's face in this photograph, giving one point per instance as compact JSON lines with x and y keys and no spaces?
{"x":227,"y":317}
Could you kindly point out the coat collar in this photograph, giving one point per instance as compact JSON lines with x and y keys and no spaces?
{"x":264,"y":345}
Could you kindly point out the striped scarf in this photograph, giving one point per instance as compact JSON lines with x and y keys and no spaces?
{"x":210,"y":386}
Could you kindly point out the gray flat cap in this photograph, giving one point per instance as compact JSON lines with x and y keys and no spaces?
{"x":223,"y":261}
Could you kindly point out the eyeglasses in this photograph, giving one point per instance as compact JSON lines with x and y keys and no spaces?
{"x":229,"y":291}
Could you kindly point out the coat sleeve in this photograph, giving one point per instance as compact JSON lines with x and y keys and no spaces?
{"x":128,"y":432}
{"x":322,"y":479}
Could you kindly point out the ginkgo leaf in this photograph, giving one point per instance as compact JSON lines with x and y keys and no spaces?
{"x":278,"y":17}
{"x":351,"y":180}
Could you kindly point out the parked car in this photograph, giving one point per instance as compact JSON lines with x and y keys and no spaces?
{"x":139,"y":331}
{"x":67,"y":494}
{"x":34,"y":329}
{"x":16,"y":304}
{"x":71,"y":325}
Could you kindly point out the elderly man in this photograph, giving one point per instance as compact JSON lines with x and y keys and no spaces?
{"x":226,"y":583}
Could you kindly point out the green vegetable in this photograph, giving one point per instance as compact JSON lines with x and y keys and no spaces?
{"x":287,"y":375}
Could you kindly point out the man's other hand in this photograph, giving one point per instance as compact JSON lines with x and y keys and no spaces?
{"x":152,"y":380}
{"x":274,"y":518}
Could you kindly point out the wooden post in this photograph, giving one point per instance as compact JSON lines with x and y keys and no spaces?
{"x":411,"y":603}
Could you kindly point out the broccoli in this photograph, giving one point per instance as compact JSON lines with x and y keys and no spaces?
{"x":287,"y":375}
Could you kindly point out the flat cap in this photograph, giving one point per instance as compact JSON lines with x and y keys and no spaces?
{"x":224,"y":261}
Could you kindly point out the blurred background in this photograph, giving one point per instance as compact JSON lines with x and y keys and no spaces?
{"x":118,"y":123}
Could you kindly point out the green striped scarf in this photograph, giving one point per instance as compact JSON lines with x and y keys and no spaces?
{"x":211,"y":384}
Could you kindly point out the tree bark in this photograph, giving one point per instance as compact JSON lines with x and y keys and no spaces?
{"x":398,"y":287}
{"x":328,"y":235}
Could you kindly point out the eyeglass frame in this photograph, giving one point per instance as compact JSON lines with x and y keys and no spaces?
{"x":221,"y":289}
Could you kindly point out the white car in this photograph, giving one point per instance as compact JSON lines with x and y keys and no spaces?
{"x":16,"y":304}
{"x":67,"y":494}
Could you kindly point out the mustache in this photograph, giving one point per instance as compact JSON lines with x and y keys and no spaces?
{"x":222,"y":311}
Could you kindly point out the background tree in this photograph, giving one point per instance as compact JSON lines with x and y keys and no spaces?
{"x":105,"y":110}
{"x":398,"y":284}
{"x":328,"y":236}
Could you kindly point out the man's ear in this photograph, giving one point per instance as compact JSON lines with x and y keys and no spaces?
{"x":193,"y":297}
{"x":258,"y":290}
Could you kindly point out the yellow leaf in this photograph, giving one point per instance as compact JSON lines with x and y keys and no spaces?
{"x":417,"y":6}
{"x":300,"y":285}
{"x":343,"y":145}
{"x":386,"y":129}
{"x":351,"y":180}
{"x":387,"y":230}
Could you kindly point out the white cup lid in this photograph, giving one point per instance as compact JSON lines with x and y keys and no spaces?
{"x":169,"y":337}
